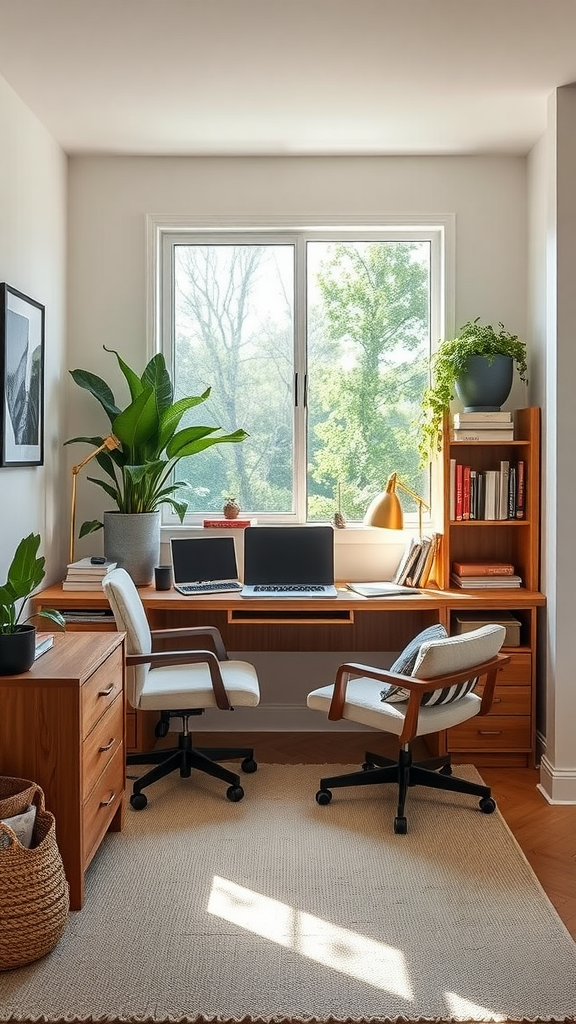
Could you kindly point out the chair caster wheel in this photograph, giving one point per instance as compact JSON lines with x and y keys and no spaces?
{"x":487,"y":805}
{"x":138,"y":801}
{"x":367,"y":766}
{"x":249,"y":765}
{"x":446,"y":769}
{"x":400,"y":826}
{"x":235,"y":793}
{"x":323,"y":797}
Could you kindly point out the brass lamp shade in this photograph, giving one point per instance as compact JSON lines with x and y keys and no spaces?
{"x":385,"y":511}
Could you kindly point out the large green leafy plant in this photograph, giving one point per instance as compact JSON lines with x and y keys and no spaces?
{"x":25,"y":574}
{"x":449,"y":364}
{"x":150,"y":445}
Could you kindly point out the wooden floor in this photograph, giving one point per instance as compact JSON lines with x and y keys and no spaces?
{"x":546,"y":833}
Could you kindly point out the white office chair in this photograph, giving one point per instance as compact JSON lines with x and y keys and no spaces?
{"x":433,"y":693}
{"x":179,"y":684}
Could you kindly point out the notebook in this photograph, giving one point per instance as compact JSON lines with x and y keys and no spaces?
{"x":204,"y":565}
{"x":289,"y":561}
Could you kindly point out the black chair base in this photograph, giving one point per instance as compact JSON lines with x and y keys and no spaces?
{"x":186,"y":757}
{"x":435,"y":772}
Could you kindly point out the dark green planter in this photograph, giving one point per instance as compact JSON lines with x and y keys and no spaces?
{"x":486,"y":385}
{"x":17,"y":650}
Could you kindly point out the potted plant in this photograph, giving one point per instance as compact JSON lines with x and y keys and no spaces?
{"x":17,"y":635}
{"x":149,"y":446}
{"x":476,"y":355}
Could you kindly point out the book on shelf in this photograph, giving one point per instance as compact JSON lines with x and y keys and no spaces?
{"x":228,"y":524}
{"x":486,"y":582}
{"x":483,"y":568}
{"x":452,"y":490}
{"x":44,"y":641}
{"x":476,"y":434}
{"x":466,"y":492}
{"x":504,"y":482}
{"x":417,"y":563}
{"x":520,"y":488}
{"x":85,"y":565}
{"x":458,"y":499}
{"x":485,"y":418}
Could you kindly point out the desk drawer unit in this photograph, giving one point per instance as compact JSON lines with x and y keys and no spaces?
{"x":507,"y":729}
{"x":62,"y":725}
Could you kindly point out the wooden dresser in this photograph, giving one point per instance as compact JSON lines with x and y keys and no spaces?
{"x":63,"y":726}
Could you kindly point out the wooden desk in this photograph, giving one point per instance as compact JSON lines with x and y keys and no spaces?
{"x":352,"y":623}
{"x":62,"y":725}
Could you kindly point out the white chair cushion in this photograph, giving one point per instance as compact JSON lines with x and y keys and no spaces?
{"x":363,"y":705}
{"x":173,"y":687}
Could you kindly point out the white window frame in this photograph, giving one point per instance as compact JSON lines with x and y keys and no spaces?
{"x":162,"y":231}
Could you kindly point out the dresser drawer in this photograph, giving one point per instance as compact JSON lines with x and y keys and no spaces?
{"x":102,"y":743}
{"x":491,"y":732}
{"x":509,"y":700}
{"x":102,"y":804}
{"x":100,"y":690}
{"x":518,"y":669}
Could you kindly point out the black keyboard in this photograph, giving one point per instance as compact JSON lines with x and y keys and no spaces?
{"x":297,"y":588}
{"x":208,"y":588}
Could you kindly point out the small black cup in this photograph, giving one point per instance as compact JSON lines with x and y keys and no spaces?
{"x":163,"y":577}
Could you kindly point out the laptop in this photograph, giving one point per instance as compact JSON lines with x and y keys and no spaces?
{"x":204,"y":565}
{"x":289,"y":561}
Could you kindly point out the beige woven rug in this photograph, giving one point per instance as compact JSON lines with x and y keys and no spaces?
{"x":275,"y":908}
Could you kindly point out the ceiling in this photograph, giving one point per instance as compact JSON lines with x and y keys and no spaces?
{"x":289,"y":77}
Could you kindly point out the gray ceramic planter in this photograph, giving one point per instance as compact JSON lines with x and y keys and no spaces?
{"x":134,"y":542}
{"x":485,"y":386}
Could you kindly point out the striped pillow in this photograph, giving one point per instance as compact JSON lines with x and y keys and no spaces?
{"x":406,"y":660}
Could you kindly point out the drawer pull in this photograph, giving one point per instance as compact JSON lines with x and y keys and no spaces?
{"x":106,"y":693}
{"x":489,"y":732}
{"x":101,"y":750}
{"x":106,"y":803}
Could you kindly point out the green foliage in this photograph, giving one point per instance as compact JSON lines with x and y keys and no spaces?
{"x":449,"y":364}
{"x":150,"y":444}
{"x":25,"y":574}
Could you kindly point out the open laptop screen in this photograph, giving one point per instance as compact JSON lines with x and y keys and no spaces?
{"x":289,"y":555}
{"x":200,"y":559}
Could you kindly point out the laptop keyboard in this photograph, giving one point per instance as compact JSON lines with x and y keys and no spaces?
{"x":298,"y":588}
{"x":208,"y":588}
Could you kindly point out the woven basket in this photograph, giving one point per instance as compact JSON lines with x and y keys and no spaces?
{"x":16,"y":795}
{"x":34,"y":893}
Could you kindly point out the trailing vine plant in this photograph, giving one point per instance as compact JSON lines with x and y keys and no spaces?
{"x":448,"y":364}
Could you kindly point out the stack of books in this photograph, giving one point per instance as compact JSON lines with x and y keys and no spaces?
{"x":85,"y":575}
{"x":488,"y":493}
{"x":484,"y":575}
{"x":483,"y":426}
{"x":416,"y":568}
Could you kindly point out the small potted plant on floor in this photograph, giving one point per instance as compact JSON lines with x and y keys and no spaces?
{"x":476,"y":367}
{"x":17,"y":635}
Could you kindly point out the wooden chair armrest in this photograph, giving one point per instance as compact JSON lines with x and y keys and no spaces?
{"x":160,"y":658}
{"x":183,"y":631}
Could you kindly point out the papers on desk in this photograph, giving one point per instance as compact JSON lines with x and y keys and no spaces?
{"x":385,"y":589}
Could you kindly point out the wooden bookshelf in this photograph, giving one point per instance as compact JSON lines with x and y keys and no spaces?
{"x":509,"y":738}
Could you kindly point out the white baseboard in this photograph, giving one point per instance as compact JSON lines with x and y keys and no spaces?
{"x":557,"y":785}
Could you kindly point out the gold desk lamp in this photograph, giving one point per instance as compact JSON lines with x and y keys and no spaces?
{"x":109,"y":443}
{"x":385,"y":510}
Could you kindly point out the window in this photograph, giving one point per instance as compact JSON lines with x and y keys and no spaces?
{"x":317,"y":343}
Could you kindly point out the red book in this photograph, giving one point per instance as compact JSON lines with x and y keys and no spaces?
{"x":466,"y":492}
{"x":228,"y":524}
{"x":483,"y":568}
{"x":459,"y":469}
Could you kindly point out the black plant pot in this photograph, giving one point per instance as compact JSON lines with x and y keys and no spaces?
{"x":486,"y":385}
{"x":17,"y":650}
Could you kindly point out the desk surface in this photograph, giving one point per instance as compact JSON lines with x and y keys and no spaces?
{"x":346,"y":601}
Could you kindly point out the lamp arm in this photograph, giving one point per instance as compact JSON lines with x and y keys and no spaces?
{"x":412,"y":494}
{"x":110,"y":443}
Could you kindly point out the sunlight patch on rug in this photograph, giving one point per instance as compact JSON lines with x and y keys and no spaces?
{"x":340,"y":949}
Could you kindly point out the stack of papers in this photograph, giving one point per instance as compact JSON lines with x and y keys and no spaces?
{"x":383,"y":589}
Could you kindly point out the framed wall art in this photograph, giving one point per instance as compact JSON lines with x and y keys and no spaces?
{"x":22,"y":373}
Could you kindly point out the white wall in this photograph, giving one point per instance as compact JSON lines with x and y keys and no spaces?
{"x":109,"y":199}
{"x":33,"y":183}
{"x":552,"y":207}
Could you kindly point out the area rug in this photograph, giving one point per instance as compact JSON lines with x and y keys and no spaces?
{"x":276,"y":908}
